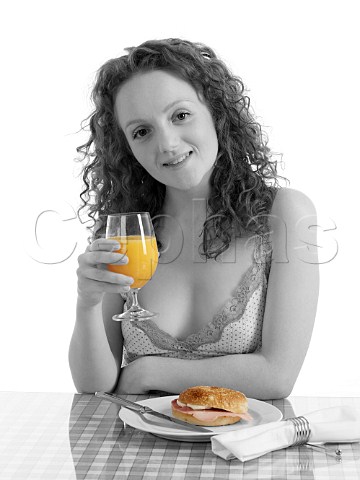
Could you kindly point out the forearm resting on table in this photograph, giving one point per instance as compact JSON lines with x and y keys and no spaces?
{"x":252,"y":374}
{"x":92,"y":363}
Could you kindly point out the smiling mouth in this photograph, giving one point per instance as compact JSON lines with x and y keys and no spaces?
{"x":178,"y":160}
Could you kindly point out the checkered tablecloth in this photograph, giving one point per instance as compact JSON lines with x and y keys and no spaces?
{"x":65,"y":436}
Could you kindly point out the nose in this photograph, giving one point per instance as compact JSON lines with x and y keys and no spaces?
{"x":168,"y":139}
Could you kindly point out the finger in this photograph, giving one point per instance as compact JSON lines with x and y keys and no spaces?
{"x":104,"y":244}
{"x":87,"y":285}
{"x":94,"y":258}
{"x":101,"y":275}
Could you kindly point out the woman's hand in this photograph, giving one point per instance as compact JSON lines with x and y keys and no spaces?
{"x":94,"y":279}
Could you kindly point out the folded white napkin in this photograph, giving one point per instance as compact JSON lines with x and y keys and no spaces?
{"x":334,"y":424}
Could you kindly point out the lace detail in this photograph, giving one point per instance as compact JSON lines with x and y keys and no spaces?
{"x":147,"y":338}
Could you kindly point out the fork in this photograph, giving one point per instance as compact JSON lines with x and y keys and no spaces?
{"x":321,"y":448}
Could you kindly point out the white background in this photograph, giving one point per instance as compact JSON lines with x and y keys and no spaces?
{"x":299,"y":61}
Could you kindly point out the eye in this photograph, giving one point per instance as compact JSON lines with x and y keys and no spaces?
{"x":182,"y":115}
{"x":139,"y":133}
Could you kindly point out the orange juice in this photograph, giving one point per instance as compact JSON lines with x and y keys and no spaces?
{"x":142,"y":255}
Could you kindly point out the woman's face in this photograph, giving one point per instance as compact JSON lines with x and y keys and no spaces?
{"x":169,"y":129}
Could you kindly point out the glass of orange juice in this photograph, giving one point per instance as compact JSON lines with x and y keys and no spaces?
{"x":135,"y":234}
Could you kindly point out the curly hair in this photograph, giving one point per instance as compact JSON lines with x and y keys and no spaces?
{"x":244,"y":179}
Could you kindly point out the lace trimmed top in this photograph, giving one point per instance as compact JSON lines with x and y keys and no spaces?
{"x":236,"y":328}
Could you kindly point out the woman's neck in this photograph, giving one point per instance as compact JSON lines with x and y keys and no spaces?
{"x":181,"y":226}
{"x":185,"y":205}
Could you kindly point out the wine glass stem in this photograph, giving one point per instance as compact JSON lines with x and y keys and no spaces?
{"x":134,"y":293}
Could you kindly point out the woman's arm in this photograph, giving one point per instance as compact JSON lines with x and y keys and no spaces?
{"x":287,"y":327}
{"x":96,"y":345}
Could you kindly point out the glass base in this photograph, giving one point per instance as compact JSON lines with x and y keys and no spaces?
{"x":133,"y":314}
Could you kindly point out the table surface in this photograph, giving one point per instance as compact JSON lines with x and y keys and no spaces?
{"x":75,"y":436}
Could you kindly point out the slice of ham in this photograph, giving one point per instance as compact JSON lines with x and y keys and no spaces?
{"x":209,"y":414}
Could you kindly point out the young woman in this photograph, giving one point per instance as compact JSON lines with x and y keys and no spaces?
{"x":236,"y":287}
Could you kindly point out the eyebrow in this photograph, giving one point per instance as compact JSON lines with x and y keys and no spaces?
{"x":170,"y":105}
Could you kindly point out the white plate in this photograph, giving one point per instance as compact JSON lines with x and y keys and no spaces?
{"x":260,"y":411}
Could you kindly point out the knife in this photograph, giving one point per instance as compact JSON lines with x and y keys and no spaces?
{"x":143,"y":409}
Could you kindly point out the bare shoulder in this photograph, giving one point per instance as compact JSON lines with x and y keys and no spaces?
{"x":292,"y":204}
{"x":293,"y":227}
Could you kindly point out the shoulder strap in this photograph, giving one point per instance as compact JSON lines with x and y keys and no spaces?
{"x":263,"y":248}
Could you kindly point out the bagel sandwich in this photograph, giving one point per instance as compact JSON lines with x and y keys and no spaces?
{"x":211,"y":406}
